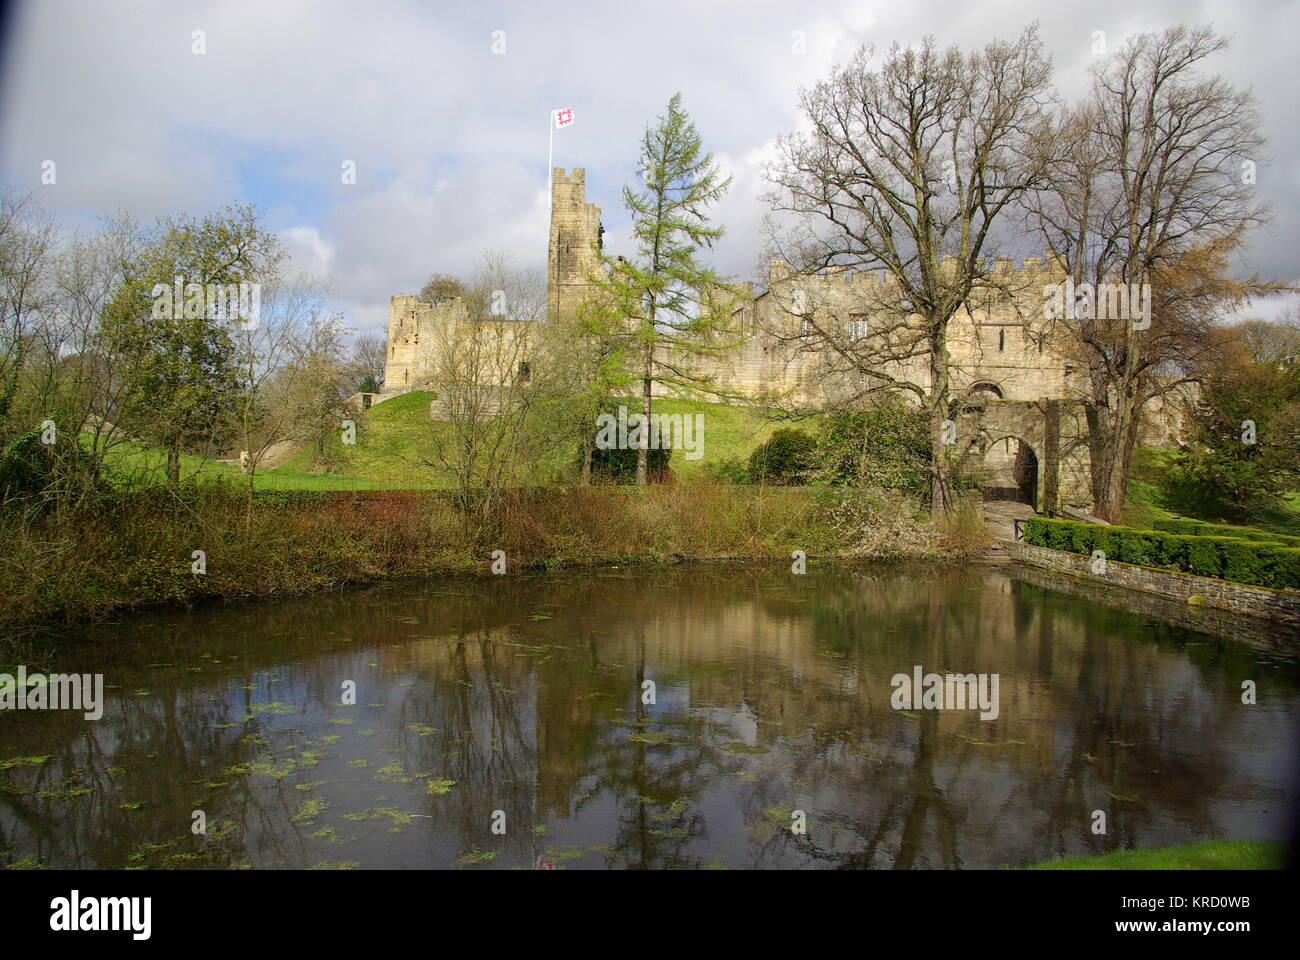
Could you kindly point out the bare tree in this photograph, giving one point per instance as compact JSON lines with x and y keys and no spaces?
{"x":488,"y":382}
{"x":367,"y":361}
{"x":1149,"y":192}
{"x":1273,"y":341}
{"x":909,"y":167}
{"x":440,"y":287}
{"x":310,"y":391}
{"x":27,"y":239}
{"x":274,"y":371}
{"x":92,"y":379}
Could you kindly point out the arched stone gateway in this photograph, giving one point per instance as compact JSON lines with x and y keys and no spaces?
{"x":1035,"y":450}
{"x":1012,"y":468}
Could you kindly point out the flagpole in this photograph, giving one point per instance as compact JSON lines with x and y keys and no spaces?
{"x":550,"y":156}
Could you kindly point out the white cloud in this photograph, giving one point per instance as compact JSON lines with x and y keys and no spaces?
{"x":450,"y":140}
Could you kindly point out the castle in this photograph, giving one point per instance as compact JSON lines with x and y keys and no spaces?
{"x":1014,"y":383}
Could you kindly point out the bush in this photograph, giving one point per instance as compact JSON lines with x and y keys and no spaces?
{"x":1286,"y":567}
{"x":885,"y":445}
{"x":785,"y":459}
{"x":963,"y":530}
{"x":1239,"y":559}
{"x":1199,"y":528}
{"x":619,"y":466}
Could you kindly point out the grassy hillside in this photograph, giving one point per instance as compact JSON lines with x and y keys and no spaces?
{"x":1154,"y":494}
{"x":393,"y":447}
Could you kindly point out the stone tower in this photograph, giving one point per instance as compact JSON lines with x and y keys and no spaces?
{"x":575,"y":238}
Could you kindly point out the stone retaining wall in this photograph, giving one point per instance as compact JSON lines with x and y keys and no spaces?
{"x":1277,"y":606}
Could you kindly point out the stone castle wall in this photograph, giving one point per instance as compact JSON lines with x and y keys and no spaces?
{"x":1000,"y":345}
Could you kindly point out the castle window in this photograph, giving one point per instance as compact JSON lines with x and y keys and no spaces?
{"x":525,"y":371}
{"x":1002,"y":339}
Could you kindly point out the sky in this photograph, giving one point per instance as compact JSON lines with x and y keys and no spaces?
{"x":444,"y":108}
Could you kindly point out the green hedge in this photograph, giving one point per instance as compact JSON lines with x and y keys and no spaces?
{"x":1199,"y":528}
{"x":1236,"y":558}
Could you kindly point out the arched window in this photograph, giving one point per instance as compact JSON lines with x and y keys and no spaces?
{"x":985,"y":389}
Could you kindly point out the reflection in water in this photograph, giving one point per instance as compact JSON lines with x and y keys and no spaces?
{"x":772,"y":694}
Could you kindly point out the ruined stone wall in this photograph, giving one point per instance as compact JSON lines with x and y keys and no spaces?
{"x":414,"y":332}
{"x":1001,"y":346}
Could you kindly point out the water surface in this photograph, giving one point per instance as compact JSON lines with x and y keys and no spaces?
{"x":517,"y":703}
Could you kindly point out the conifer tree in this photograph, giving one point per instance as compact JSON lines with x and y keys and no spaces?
{"x":663,"y":307}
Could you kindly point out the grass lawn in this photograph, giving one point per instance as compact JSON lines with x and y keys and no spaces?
{"x":1207,"y":855}
{"x":393,"y":446}
{"x":133,"y":462}
{"x":730,"y":434}
{"x":389,"y":452}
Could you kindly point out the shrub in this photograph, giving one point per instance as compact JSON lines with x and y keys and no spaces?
{"x":1135,"y":547}
{"x":786,"y":458}
{"x":1200,"y":528}
{"x":1203,"y":558}
{"x":1037,"y":530}
{"x":1173,"y":550}
{"x":1239,"y":559}
{"x":1243,"y":561}
{"x":619,"y":465}
{"x":885,"y":445}
{"x":963,"y":530}
{"x":1286,"y":567}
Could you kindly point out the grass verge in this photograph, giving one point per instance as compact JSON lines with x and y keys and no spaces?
{"x":1206,"y":855}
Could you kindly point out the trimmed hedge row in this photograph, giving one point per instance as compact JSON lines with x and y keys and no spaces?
{"x":1199,"y":528}
{"x":1254,"y":562}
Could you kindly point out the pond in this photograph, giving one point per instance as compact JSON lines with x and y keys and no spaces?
{"x":708,"y":716}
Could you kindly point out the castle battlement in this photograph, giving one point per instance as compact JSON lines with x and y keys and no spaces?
{"x":1004,"y":270}
{"x":994,"y":340}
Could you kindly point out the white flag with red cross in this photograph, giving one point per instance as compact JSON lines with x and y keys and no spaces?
{"x":563,"y":117}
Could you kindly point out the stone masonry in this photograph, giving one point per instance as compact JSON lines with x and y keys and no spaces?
{"x":1012,"y":381}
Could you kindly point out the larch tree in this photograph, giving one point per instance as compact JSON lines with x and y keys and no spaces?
{"x":664,"y":307}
